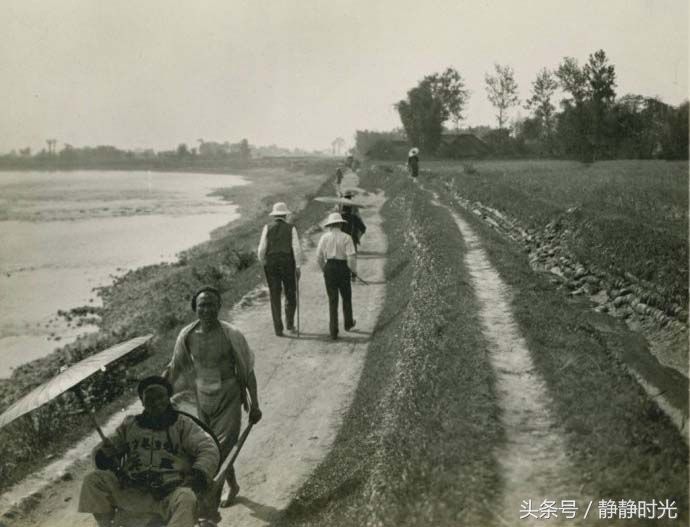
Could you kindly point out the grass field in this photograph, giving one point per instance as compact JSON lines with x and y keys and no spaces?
{"x":623,"y":216}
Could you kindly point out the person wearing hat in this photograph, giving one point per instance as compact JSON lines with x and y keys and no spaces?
{"x":280,"y":254}
{"x":413,"y":162}
{"x":354,"y":226}
{"x":337,"y":259}
{"x":213,"y":361}
{"x":156,"y":463}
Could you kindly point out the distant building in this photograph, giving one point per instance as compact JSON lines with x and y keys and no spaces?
{"x":388,"y":149}
{"x":463,"y":146}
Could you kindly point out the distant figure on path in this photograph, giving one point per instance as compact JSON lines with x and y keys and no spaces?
{"x":213,"y":360}
{"x":338,"y":176}
{"x":154,"y":464}
{"x":337,"y":259}
{"x":413,"y":162}
{"x":280,"y":254}
{"x":354,"y":225}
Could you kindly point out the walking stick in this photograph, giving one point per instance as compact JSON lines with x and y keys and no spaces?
{"x":357,"y":277}
{"x":297,"y":291}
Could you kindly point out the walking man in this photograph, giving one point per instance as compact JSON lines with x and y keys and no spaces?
{"x":280,"y":254}
{"x":354,"y":226}
{"x":154,"y":464}
{"x":212,"y":360}
{"x":337,"y":259}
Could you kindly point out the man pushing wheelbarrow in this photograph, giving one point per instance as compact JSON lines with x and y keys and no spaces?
{"x":213,"y":360}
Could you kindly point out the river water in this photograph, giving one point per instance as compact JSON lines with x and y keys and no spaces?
{"x":64,"y":233}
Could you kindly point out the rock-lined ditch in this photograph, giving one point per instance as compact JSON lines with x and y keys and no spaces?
{"x":644,"y":305}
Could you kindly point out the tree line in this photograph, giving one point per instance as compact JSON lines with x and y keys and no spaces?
{"x":206,"y":154}
{"x":591,"y":123}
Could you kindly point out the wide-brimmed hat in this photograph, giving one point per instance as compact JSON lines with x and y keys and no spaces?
{"x":279,"y":209}
{"x":413,"y":151}
{"x":333,"y":218}
{"x":349,"y":193}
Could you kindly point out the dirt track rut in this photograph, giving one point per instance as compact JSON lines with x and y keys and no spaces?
{"x":534,"y":462}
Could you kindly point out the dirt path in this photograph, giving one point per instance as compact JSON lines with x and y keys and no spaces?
{"x":534,"y":461}
{"x":305,"y":386}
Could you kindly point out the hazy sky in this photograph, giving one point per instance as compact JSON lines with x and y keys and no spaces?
{"x":146,"y":73}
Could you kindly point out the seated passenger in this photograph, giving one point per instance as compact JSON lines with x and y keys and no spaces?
{"x":155,"y":463}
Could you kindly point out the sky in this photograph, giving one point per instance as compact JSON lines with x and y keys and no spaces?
{"x":298,"y":73}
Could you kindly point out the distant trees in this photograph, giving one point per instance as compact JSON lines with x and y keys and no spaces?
{"x":422,"y":116}
{"x":437,"y":98}
{"x":52,"y":145}
{"x":337,"y":145}
{"x":501,"y":89}
{"x":107,"y":156}
{"x":449,"y":88}
{"x":182,"y":151}
{"x":244,"y":150}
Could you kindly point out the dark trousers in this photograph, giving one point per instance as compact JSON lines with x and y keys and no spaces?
{"x":337,"y":277}
{"x":280,"y":274}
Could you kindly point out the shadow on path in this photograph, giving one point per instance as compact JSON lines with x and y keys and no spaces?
{"x":324,"y":337}
{"x":262,"y":512}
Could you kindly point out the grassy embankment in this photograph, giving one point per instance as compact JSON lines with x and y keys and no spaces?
{"x":628,"y":218}
{"x":153,"y":299}
{"x":623,"y":447}
{"x":416,"y":446}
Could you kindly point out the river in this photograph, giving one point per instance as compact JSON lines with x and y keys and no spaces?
{"x":62,"y":234}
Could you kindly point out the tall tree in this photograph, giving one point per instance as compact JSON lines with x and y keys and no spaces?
{"x":245,"y":150}
{"x":573,"y":80}
{"x":601,"y":77}
{"x":675,"y":142}
{"x":501,"y":89}
{"x":573,"y":122}
{"x":587,"y":113}
{"x":182,"y":150}
{"x":422,"y":115}
{"x":543,"y":88}
{"x":449,"y":88}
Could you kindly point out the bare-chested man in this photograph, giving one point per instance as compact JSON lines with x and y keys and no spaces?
{"x":213,"y":360}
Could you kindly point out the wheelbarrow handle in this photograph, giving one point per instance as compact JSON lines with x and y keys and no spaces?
{"x":232,"y":455}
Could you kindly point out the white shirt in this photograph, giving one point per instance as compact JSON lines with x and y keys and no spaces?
{"x":296,"y":247}
{"x":335,"y":244}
